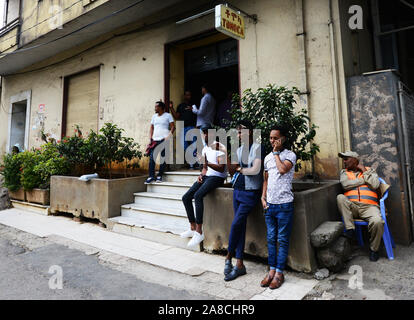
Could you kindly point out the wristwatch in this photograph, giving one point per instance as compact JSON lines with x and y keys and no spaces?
{"x":276,"y":153}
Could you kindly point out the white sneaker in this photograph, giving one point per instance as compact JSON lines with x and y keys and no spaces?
{"x":196,"y":239}
{"x":187,"y":234}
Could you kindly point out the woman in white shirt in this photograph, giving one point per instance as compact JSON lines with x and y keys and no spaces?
{"x":162,"y":128}
{"x":212,"y":176}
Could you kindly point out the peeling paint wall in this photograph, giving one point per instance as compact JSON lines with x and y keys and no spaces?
{"x":374,"y":110}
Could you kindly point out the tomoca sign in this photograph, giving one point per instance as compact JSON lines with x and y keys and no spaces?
{"x":229,"y":22}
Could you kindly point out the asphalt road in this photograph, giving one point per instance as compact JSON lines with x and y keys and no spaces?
{"x":24,"y":274}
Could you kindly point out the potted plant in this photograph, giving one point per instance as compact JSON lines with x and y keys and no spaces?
{"x":11,"y":173}
{"x":48,"y":162}
{"x":276,"y":105}
{"x":97,"y":153}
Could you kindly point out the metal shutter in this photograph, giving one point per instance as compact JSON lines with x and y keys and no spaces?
{"x":83,"y":102}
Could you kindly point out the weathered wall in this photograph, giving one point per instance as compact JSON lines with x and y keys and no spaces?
{"x":374,"y":105}
{"x":38,"y":16}
{"x":131,"y":84}
{"x":312,"y":208}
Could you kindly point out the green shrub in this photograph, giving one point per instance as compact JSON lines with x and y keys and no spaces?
{"x":29,"y":178}
{"x":51,"y":162}
{"x":11,"y":172}
{"x":275,"y":105}
{"x":99,"y":150}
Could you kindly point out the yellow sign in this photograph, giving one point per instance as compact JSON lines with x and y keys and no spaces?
{"x":229,"y":22}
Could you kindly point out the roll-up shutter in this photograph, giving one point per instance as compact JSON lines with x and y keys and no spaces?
{"x":83,"y":102}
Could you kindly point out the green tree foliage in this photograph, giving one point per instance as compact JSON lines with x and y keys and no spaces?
{"x":276,"y":105}
{"x":11,"y":172}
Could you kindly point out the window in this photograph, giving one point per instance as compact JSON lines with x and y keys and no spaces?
{"x":9,"y":11}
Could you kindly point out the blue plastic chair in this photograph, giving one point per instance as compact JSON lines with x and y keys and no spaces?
{"x":386,"y":237}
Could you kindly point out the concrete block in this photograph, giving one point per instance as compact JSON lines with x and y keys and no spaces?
{"x":335,"y":255}
{"x":314,"y":204}
{"x":326,"y":233}
{"x":98,"y":198}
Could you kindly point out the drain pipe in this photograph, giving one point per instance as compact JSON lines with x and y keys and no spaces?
{"x":407,"y":163}
{"x":304,"y":91}
{"x":338,"y":111}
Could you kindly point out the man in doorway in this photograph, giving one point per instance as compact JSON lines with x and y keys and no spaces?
{"x":212,"y":176}
{"x":277,"y":201}
{"x":247,"y":185}
{"x":162,"y":128}
{"x":207,"y":110}
{"x":185,"y":114}
{"x":360,"y":200}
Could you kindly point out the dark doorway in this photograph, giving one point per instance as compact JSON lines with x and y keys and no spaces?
{"x":215,"y":65}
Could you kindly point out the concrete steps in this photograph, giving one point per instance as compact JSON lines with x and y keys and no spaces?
{"x":158,"y":214}
{"x":177,"y":188}
{"x":189,"y":176}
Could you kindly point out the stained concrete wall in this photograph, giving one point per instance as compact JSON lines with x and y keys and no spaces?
{"x":130,"y":84}
{"x":375,"y":123}
{"x":312,"y":207}
{"x":98,"y":198}
{"x":41,"y":17}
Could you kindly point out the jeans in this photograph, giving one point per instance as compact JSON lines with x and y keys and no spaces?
{"x":185,"y":143}
{"x":243,"y":203}
{"x":278,"y":219}
{"x":197,"y":192}
{"x":152,"y":161}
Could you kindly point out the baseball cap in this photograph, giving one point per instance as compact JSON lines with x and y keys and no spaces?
{"x":349,"y":153}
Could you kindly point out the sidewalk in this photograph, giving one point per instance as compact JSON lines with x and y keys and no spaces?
{"x":194,"y":271}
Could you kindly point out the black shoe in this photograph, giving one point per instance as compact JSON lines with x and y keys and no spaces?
{"x":350,"y":234}
{"x":228,"y":266}
{"x":235,"y":273}
{"x":373,"y":255}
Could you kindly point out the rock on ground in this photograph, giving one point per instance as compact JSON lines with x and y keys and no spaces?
{"x":335,"y":255}
{"x":4,"y":196}
{"x":321,"y":274}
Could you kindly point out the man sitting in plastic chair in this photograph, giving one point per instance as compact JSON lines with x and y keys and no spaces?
{"x":361,"y":200}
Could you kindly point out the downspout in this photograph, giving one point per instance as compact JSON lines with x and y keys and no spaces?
{"x":338,"y":111}
{"x":19,"y":27}
{"x":407,"y":163}
{"x":304,"y":91}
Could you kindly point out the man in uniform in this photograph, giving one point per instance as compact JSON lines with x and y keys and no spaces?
{"x":360,"y":200}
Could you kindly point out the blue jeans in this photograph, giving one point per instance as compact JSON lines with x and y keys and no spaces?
{"x":243,"y":203}
{"x":197,"y":192}
{"x":152,"y":161}
{"x":278,"y":219}
{"x":187,"y":143}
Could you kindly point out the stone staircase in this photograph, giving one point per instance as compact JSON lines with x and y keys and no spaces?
{"x":158,"y":214}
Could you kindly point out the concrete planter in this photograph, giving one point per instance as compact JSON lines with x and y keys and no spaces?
{"x":40,"y":196}
{"x":18,"y":195}
{"x":314,"y":204}
{"x":98,"y":198}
